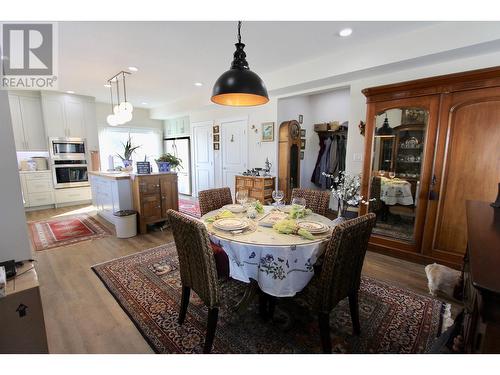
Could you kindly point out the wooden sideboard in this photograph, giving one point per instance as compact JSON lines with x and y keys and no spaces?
{"x":153,"y":195}
{"x":482,"y":279}
{"x":260,"y":188}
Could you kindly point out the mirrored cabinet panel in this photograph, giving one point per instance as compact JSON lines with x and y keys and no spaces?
{"x":398,"y":150}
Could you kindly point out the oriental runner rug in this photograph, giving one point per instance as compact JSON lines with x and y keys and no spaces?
{"x":48,"y":234}
{"x":148,"y":288}
{"x":189,"y":207}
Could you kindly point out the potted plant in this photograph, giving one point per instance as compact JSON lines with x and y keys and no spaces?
{"x":168,"y":161}
{"x":128,"y":150}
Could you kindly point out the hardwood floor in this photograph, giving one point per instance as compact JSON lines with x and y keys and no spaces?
{"x":81,"y":316}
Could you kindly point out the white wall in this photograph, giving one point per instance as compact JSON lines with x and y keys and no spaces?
{"x":14,"y":242}
{"x":140,"y":119}
{"x":317,"y":108}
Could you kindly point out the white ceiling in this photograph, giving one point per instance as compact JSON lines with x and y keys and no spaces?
{"x":171,"y":56}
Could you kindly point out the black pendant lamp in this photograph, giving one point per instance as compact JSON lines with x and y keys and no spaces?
{"x":239,"y":86}
{"x":385,"y":130}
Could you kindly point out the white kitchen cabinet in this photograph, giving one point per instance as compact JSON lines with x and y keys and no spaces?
{"x":176,"y":127}
{"x":73,"y":195}
{"x":68,"y":115}
{"x":91,"y":126}
{"x":53,"y":115}
{"x":17,"y":122}
{"x":27,"y":122}
{"x":37,"y":188}
{"x":110,"y":195}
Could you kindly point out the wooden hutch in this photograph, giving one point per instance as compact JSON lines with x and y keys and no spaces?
{"x":153,"y":195}
{"x":458,"y":159}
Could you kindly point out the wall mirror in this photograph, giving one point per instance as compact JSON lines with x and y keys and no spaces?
{"x":398,"y":150}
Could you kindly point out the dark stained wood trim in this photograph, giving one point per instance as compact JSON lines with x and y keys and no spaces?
{"x":474,"y":79}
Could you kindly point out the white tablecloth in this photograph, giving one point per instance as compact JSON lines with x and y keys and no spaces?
{"x":395,"y":191}
{"x":281,"y":264}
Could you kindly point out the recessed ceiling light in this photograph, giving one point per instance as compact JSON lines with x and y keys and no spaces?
{"x":107,"y":85}
{"x":70,"y":92}
{"x":144,"y":103}
{"x":345,"y":32}
{"x":199,"y":84}
{"x":133,"y":68}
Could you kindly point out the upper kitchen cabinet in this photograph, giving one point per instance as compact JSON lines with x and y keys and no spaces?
{"x":176,"y":127}
{"x":68,"y":115}
{"x":27,"y":121}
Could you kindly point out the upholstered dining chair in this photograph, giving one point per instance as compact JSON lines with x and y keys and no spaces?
{"x":214,"y":199}
{"x":340,"y":274}
{"x":197,"y":269}
{"x":317,"y":200}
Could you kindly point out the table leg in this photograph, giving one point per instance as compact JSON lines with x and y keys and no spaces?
{"x":250,"y":292}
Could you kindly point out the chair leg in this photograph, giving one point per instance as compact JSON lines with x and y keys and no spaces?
{"x":324,"y":330}
{"x":354,"y":307}
{"x":186,"y":292}
{"x":213,"y":315}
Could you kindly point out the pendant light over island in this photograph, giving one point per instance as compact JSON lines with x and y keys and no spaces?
{"x":239,"y":86}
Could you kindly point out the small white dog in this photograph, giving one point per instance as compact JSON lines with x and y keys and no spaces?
{"x":442,"y":279}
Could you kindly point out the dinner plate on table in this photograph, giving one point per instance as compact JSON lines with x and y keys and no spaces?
{"x":230,"y":224}
{"x":271,"y":218}
{"x":234,"y":208}
{"x":313,"y":227}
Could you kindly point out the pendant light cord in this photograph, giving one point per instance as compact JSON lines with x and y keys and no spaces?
{"x":239,"y":31}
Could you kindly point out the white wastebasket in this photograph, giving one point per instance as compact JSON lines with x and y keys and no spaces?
{"x":125,"y":223}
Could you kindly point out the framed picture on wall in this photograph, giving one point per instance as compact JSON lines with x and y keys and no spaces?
{"x":216,"y":137}
{"x":301,"y":155}
{"x":268,"y":132}
{"x":302,"y":144}
{"x":302,"y":133}
{"x":301,"y":119}
{"x":216,"y":129}
{"x":216,"y":146}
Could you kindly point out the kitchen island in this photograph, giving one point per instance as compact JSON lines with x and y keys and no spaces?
{"x":151,"y":195}
{"x":111,"y":192}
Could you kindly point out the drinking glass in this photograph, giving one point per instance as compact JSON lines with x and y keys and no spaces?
{"x":241,"y":197}
{"x":278,"y":196}
{"x":392,"y":174}
{"x":301,"y":202}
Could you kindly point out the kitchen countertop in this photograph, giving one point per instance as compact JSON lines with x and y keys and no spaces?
{"x":124,"y":175}
{"x":40,"y":171}
{"x":111,"y":175}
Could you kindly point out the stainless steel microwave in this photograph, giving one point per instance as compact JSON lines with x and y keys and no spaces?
{"x":67,"y":148}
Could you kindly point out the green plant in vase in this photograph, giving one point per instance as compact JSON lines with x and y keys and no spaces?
{"x":166,"y":162}
{"x":128,"y":150}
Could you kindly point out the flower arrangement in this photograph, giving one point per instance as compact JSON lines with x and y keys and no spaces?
{"x":346,"y":189}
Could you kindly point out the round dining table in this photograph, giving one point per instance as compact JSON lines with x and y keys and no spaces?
{"x":281,"y":264}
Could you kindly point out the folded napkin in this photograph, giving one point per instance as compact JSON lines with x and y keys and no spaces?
{"x":259,"y":207}
{"x":298,"y":212}
{"x":288,"y":226}
{"x":225,"y":214}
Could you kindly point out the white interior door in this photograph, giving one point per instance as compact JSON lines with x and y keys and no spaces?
{"x":203,"y":157}
{"x":234,"y":148}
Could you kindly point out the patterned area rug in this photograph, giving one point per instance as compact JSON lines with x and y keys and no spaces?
{"x":147,"y":286}
{"x":48,"y":234}
{"x":189,"y":207}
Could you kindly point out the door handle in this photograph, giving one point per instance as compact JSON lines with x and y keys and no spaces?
{"x":433,"y":195}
